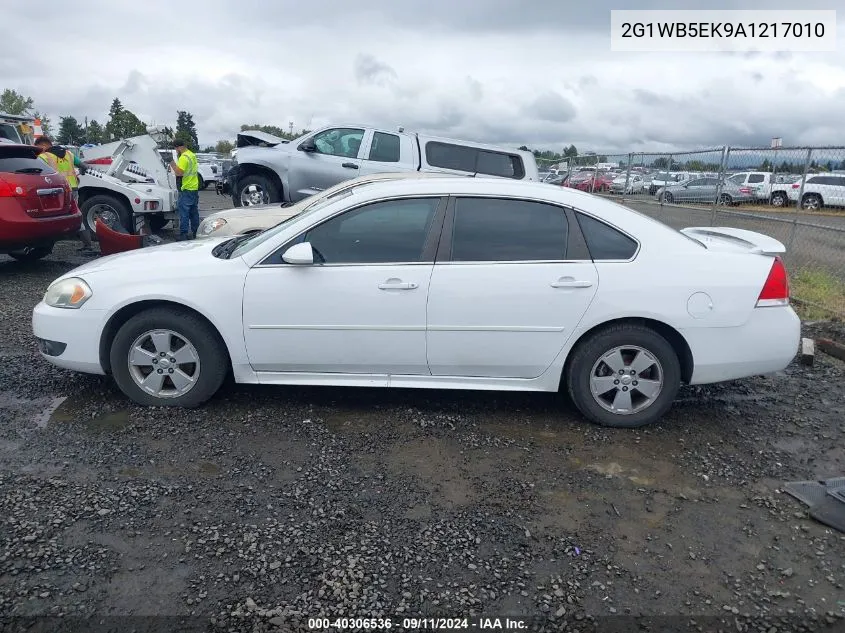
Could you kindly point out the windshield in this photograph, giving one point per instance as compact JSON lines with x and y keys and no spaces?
{"x":9,"y":132}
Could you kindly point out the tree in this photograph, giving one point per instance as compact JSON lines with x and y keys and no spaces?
{"x":209,"y":149}
{"x":523,"y":148}
{"x":123,"y":123}
{"x":186,"y":129}
{"x":95,"y":133}
{"x":12,"y":102}
{"x":765,"y":165}
{"x":570,"y":152}
{"x":70,"y":132}
{"x":224,"y":147}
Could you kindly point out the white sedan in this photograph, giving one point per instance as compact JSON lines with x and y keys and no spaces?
{"x":627,"y":184}
{"x":448,"y":283}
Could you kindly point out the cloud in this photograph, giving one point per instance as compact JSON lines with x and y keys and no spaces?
{"x":369,"y":70}
{"x":539,"y":74}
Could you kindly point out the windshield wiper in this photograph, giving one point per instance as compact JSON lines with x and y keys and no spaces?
{"x":29,"y":170}
{"x":227,"y":248}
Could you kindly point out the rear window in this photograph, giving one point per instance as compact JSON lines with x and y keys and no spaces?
{"x":755,"y":178}
{"x":385,"y":148}
{"x":473,"y":160}
{"x":22,"y":161}
{"x":605,"y":242}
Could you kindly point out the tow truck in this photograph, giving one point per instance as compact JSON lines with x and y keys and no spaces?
{"x":19,"y":128}
{"x":127,"y":185}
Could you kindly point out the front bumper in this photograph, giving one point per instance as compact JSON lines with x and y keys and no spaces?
{"x":69,"y":338}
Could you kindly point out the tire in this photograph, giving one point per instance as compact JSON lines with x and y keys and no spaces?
{"x":112,"y":209}
{"x":203,"y":343}
{"x":633,"y":340}
{"x":667,"y":197}
{"x":725,"y":200}
{"x":812,"y":202}
{"x":256,"y":189}
{"x":157,"y":222}
{"x":32,"y":253}
{"x":202,"y":183}
{"x":779,"y":199}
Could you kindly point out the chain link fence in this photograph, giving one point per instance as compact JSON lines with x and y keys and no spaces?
{"x":794,"y":194}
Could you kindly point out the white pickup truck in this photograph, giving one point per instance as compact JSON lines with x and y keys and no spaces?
{"x":767,"y":187}
{"x":276,"y":170}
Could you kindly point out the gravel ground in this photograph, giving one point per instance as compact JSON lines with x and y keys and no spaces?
{"x":272,"y":505}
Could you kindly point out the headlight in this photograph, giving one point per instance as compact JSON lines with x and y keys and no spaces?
{"x":209,"y":227}
{"x":68,"y":293}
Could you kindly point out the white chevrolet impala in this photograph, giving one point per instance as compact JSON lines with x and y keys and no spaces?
{"x":447,"y":283}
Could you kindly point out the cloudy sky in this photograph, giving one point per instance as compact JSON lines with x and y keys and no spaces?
{"x":538,"y":72}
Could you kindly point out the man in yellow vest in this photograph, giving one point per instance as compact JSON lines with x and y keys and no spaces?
{"x":187,"y":168}
{"x":66,"y":163}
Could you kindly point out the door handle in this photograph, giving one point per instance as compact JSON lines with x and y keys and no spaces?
{"x":571,"y":283}
{"x":397,"y":285}
{"x":350,"y":165}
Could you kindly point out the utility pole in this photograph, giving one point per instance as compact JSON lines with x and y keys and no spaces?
{"x":290,"y":127}
{"x":86,"y":129}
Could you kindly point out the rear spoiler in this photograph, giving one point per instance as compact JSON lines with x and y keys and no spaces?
{"x":723,"y":238}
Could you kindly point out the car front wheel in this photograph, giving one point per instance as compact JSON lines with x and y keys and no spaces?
{"x":168,"y":357}
{"x":624,"y":376}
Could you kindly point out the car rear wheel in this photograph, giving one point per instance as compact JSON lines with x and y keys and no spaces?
{"x":725,"y":200}
{"x":168,"y":357}
{"x":667,"y":197}
{"x":111,"y":210}
{"x":624,"y":376}
{"x":202,"y":183}
{"x":812,"y":202}
{"x":256,"y":190}
{"x":779,"y":199}
{"x":31,"y":253}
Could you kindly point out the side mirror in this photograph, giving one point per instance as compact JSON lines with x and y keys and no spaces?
{"x":299,"y":254}
{"x":307,"y":146}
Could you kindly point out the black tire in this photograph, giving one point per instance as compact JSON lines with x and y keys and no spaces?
{"x":667,"y":197}
{"x":812,"y":201}
{"x":32,"y":253}
{"x":157,"y":222}
{"x":779,"y":199}
{"x":122,"y":212}
{"x":588,"y":353}
{"x":202,"y":183}
{"x":261,"y":182}
{"x":213,"y":365}
{"x":725,"y":200}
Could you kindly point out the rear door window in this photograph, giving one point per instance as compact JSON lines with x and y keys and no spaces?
{"x":755,"y":178}
{"x":500,"y":230}
{"x":385,"y":148}
{"x":473,"y":160}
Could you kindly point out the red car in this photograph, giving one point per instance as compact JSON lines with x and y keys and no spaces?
{"x":590,"y":181}
{"x":36,"y":206}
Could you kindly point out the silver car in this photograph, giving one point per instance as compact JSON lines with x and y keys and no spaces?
{"x":705,"y":190}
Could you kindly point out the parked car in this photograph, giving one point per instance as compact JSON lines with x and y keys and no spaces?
{"x":246,"y":220}
{"x":590,"y":181}
{"x":767,"y":187}
{"x":627,"y":184}
{"x":820,"y":190}
{"x":705,"y":190}
{"x":36,"y":207}
{"x":412,"y":283}
{"x":290,"y":171}
{"x":664,"y":179}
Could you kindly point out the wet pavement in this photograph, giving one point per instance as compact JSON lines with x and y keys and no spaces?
{"x":271,"y":505}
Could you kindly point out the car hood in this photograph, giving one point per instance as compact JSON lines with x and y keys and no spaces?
{"x":152,"y":261}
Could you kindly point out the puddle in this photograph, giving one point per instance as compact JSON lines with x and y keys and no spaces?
{"x":63,"y":412}
{"x":43,"y":418}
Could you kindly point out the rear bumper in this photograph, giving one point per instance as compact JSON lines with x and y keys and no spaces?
{"x":69,"y":338}
{"x":765,"y":344}
{"x":19,"y":232}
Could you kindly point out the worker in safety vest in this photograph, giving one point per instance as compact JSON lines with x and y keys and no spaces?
{"x":66,"y":163}
{"x":187,"y":168}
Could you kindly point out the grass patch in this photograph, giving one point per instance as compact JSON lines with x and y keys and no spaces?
{"x":819,"y":295}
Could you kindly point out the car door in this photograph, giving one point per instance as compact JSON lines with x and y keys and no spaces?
{"x":327,"y":158}
{"x":360,"y":307}
{"x":836,"y":195}
{"x":508,"y":289}
{"x":387,"y":152}
{"x":686,"y":192}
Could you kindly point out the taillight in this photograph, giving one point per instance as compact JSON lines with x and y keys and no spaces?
{"x":796,"y":185}
{"x":107,"y":160}
{"x":11,"y":189}
{"x":745,"y":189}
{"x":776,"y":289}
